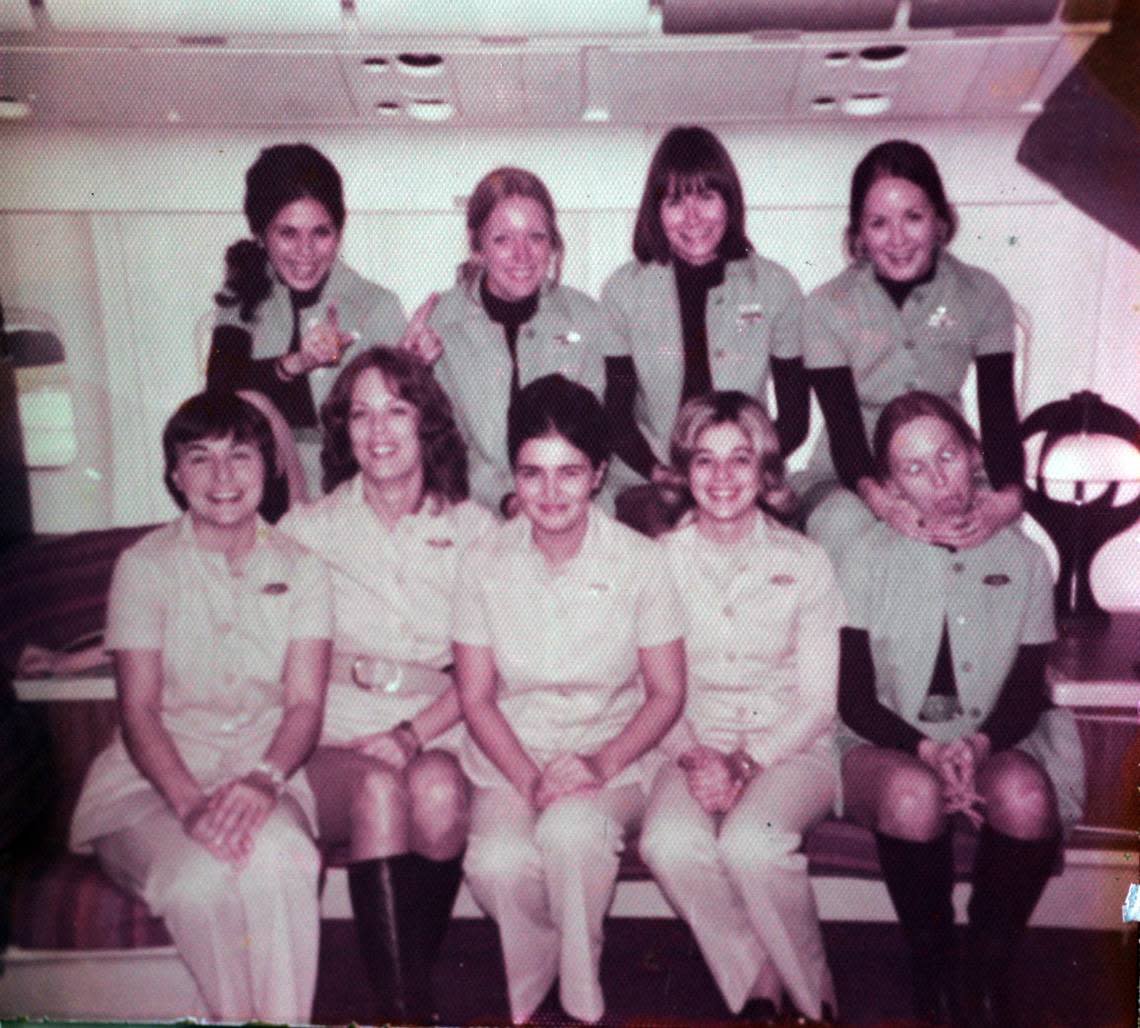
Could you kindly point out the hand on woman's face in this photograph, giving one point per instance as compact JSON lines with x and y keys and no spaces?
{"x":899,"y":231}
{"x":515,"y":248}
{"x":302,"y":242}
{"x":694,"y":223}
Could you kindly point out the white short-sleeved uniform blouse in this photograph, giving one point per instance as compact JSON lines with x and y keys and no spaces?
{"x":223,"y":639}
{"x":761,"y":640}
{"x":566,"y":641}
{"x":392,"y":597}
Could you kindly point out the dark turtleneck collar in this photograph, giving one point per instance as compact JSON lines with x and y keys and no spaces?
{"x":507,"y":312}
{"x":304,"y":298}
{"x":698,"y":277}
{"x":899,"y":291}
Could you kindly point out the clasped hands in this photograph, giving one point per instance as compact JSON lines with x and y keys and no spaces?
{"x":565,"y":774}
{"x":226,"y":821}
{"x":716,"y":779}
{"x":956,"y":763}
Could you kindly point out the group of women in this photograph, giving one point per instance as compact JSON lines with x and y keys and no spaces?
{"x":507,"y":686}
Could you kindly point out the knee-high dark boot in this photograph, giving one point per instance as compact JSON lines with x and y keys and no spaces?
{"x":920,"y":879}
{"x":1009,"y":876}
{"x":439,"y":885}
{"x":391,"y":943}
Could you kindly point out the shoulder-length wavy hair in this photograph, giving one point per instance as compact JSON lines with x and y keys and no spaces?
{"x":689,"y":159}
{"x":501,"y":184}
{"x":908,"y":407}
{"x":728,"y":407}
{"x":406,"y":376}
{"x":896,"y":158}
{"x":281,"y":175}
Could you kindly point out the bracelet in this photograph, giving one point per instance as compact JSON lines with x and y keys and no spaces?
{"x":409,"y":729}
{"x":275,"y":775}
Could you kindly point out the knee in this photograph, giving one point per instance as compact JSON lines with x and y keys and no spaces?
{"x":1019,"y":797}
{"x":668,"y":843}
{"x":501,"y":857}
{"x":193,"y":884}
{"x":910,"y":805}
{"x":379,"y":797}
{"x":574,"y":828}
{"x":438,"y":790}
{"x":284,"y":855}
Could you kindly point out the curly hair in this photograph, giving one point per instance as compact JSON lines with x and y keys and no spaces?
{"x":443,"y":451}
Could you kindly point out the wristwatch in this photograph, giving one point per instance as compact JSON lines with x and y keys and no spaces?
{"x":275,"y":775}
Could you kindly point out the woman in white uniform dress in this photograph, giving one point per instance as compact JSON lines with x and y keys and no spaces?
{"x":754,"y":758}
{"x":570,"y":669}
{"x":391,"y":529}
{"x":219,"y":627}
{"x":946,"y":711}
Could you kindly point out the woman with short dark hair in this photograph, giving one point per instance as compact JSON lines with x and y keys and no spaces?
{"x":219,"y":627}
{"x":570,"y":669}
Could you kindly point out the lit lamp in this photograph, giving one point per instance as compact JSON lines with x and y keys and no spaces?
{"x":1090,"y":450}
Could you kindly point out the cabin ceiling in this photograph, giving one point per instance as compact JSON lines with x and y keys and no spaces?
{"x":533,"y":62}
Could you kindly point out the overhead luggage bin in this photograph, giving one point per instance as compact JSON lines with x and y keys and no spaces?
{"x":683,"y":16}
{"x":197,"y":17}
{"x":503,"y":17}
{"x":952,"y":14}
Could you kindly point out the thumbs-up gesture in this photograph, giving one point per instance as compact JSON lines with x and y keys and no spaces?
{"x":419,"y":337}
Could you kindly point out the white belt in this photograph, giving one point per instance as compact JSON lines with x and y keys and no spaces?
{"x":380,"y":674}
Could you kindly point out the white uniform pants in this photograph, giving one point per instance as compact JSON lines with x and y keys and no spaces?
{"x":249,"y":937}
{"x":548,"y":880}
{"x":745,"y":890}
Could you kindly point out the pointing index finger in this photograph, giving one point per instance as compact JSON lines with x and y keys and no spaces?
{"x":425,"y":310}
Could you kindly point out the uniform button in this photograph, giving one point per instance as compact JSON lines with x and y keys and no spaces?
{"x":911,"y":386}
{"x":961,"y":619}
{"x":958,"y":566}
{"x":975,"y":712}
{"x":730,"y":656}
{"x":908,"y":344}
{"x":528,"y":333}
{"x":967,"y":666}
{"x":729,"y":611}
{"x":718,"y":353}
{"x":718,"y":300}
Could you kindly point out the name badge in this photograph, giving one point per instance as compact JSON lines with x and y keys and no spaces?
{"x":996,"y":579}
{"x":441,"y":543}
{"x":598,"y":588}
{"x":567,"y":338}
{"x":941,"y":318}
{"x":783,"y":579}
{"x":275,"y":588}
{"x":749,"y":313}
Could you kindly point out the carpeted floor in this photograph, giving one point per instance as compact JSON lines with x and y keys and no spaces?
{"x":653,"y":974}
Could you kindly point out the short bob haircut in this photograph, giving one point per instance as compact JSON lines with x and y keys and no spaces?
{"x":288,"y":172}
{"x":728,"y":407}
{"x":215,"y":414}
{"x":406,"y":376}
{"x":501,"y":184}
{"x":553,"y":405}
{"x":897,"y":158}
{"x":689,"y":159}
{"x":908,"y":407}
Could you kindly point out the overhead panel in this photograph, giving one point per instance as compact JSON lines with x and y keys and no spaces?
{"x":949,"y":14}
{"x":212,"y":87}
{"x":196,"y":17}
{"x":503,"y":17}
{"x":726,"y":84}
{"x":16,"y":16}
{"x":681,"y":16}
{"x":1010,"y":74}
{"x":924,"y":78}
